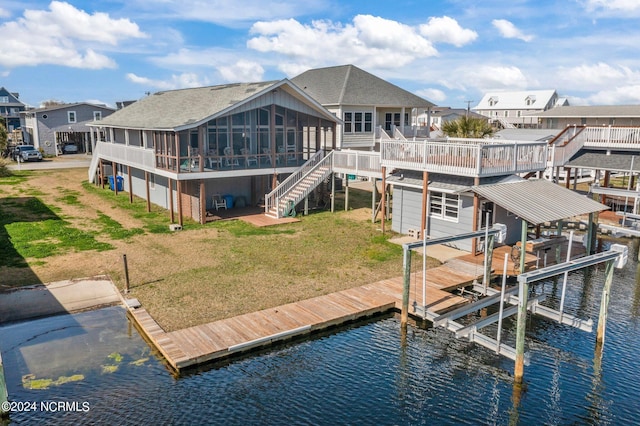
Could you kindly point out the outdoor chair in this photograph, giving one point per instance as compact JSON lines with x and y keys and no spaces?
{"x":230,"y":160}
{"x":219,"y":202}
{"x":267,"y":156}
{"x":249,"y":159}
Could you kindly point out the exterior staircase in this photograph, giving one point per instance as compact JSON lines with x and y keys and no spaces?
{"x":283,"y":199}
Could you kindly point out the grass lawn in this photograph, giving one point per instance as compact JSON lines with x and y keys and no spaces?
{"x":56,"y":226}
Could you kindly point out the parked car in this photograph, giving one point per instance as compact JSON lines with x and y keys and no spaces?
{"x":28,"y":153}
{"x":16,"y":153}
{"x":70,"y":149}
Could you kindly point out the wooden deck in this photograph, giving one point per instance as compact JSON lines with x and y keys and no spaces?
{"x":221,"y":339}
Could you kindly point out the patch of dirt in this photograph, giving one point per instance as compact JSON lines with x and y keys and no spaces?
{"x":176,"y":275}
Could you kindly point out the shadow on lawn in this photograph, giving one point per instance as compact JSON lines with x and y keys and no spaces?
{"x":17,"y":213}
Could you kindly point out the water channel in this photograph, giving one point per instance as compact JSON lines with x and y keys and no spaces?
{"x":105,"y":373}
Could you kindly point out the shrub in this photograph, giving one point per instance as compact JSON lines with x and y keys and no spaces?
{"x":4,"y":168}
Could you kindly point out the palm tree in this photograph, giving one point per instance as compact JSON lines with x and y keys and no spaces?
{"x":467,"y":127}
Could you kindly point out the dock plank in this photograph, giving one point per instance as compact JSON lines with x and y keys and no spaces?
{"x":211,"y":341}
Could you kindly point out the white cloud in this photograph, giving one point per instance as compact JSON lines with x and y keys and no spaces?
{"x":4,"y":13}
{"x":621,"y":95}
{"x":447,"y":30}
{"x":433,"y":95}
{"x":508,"y":30}
{"x":486,"y":78}
{"x":370,"y":42}
{"x":63,"y":35}
{"x":179,"y":81}
{"x":600,"y":76}
{"x":612,"y":5}
{"x":242,"y":71}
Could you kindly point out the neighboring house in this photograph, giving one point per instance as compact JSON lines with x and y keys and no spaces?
{"x":435,"y":117}
{"x":601,"y":151}
{"x":10,"y":108}
{"x":603,"y":115}
{"x":366,"y":104}
{"x":517,"y":109}
{"x":192,"y":150}
{"x":62,"y":128}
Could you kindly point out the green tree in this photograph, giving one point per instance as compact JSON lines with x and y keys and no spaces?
{"x":467,"y":127}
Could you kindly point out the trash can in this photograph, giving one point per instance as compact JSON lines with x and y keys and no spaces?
{"x":119,"y":182}
{"x":229,"y":199}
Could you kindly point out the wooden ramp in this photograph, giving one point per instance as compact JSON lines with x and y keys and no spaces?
{"x":221,"y":339}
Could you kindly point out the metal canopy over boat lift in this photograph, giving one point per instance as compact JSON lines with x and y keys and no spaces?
{"x":520,"y":304}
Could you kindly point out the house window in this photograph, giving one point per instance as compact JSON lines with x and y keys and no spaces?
{"x":444,"y":206}
{"x":348,"y":122}
{"x":506,"y":113}
{"x":97,"y":115}
{"x":519,"y":113}
{"x":4,"y":99}
{"x":358,"y":122}
{"x":71,"y":116}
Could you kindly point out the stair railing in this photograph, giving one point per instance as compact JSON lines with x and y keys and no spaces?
{"x":272,"y":199}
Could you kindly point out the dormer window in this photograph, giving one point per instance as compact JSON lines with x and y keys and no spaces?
{"x":530,"y":100}
{"x":493,"y":100}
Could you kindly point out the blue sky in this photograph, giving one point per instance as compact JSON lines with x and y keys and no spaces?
{"x":447,"y":51}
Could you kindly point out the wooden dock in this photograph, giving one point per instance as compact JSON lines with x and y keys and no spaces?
{"x":228,"y":337}
{"x":225,"y":338}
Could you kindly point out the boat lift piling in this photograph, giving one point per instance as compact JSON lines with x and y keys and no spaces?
{"x":615,"y":257}
{"x":498,"y":229}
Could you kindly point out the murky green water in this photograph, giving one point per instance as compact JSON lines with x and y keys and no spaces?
{"x":366,"y":374}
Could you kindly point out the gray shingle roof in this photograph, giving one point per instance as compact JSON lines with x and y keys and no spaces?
{"x":600,"y":160}
{"x":175,"y":108}
{"x":349,"y":85}
{"x":614,"y":111}
{"x":442,"y":182}
{"x":538,"y":201}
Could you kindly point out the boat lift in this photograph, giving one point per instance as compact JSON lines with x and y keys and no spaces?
{"x":616,"y":256}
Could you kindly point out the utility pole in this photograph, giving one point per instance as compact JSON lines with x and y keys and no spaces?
{"x":468,"y":107}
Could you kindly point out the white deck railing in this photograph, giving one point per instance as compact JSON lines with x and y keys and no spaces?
{"x":611,"y":137}
{"x":360,"y":163}
{"x":136,"y":156}
{"x":465,"y":157}
{"x":272,"y":199}
{"x":566,"y":145}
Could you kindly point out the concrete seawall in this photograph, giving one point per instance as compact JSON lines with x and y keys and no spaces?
{"x":57,"y":298}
